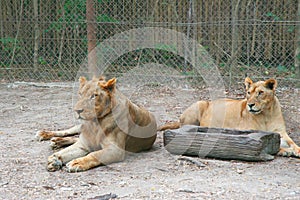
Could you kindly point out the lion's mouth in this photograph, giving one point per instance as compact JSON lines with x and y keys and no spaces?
{"x":85,"y":117}
{"x":254,"y":111}
{"x":80,"y":117}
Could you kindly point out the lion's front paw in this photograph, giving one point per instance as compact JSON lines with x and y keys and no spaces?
{"x":57,"y":142}
{"x":44,"y":135}
{"x":54,"y":163}
{"x":287,"y":152}
{"x":76,"y":165}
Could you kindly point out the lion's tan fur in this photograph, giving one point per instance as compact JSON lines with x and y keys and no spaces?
{"x":260,"y":110}
{"x":111,"y":126}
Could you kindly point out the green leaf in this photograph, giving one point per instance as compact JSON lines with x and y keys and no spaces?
{"x":282,"y":68}
{"x":105,"y":18}
{"x":165,"y":47}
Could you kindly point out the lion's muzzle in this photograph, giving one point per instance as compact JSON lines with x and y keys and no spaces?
{"x":252,"y":109}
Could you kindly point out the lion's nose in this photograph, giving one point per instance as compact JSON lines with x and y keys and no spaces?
{"x":251,"y":105}
{"x":79,"y":111}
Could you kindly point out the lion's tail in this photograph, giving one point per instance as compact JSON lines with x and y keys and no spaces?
{"x":171,"y":125}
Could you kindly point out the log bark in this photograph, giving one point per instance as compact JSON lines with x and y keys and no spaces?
{"x":221,"y":143}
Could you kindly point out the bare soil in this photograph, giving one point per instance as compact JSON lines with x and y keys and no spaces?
{"x":156,"y":174}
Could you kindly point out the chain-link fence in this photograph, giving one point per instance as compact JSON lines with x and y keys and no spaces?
{"x":50,"y":40}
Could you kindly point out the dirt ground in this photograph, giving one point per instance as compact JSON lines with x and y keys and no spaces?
{"x":157,"y":174}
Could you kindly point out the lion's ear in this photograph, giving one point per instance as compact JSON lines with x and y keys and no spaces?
{"x":101,"y":78}
{"x":248,"y":82}
{"x":110,"y":85}
{"x":271,"y":84}
{"x":82,"y":81}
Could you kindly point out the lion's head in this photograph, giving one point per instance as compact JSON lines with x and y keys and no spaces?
{"x":95,"y":98}
{"x":260,"y":95}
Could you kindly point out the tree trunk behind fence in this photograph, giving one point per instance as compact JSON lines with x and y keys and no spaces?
{"x":91,"y":37}
{"x":36,"y":35}
{"x":297,"y":52}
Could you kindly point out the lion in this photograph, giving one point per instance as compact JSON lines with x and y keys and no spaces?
{"x":111,"y":125}
{"x":260,"y":110}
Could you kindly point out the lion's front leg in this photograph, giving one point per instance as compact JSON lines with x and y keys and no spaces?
{"x":47,"y":135}
{"x":59,"y":142}
{"x":105,"y":156}
{"x":58,"y":159}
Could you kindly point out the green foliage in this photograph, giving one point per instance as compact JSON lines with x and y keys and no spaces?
{"x":165,"y":51}
{"x":222,"y":65}
{"x":105,"y":18}
{"x":71,"y":13}
{"x":242,"y":68}
{"x":42,"y":61}
{"x":273,"y":16}
{"x":9,"y":44}
{"x":166,"y":47}
{"x":282,"y":69}
{"x":291,"y":29}
{"x":298,"y":56}
{"x":276,"y":18}
{"x":187,"y":73}
{"x":60,"y":73}
{"x":75,"y":10}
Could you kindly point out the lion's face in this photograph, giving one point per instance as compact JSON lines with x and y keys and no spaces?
{"x":94,"y":98}
{"x":260,"y":95}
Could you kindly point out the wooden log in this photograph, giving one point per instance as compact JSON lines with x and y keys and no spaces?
{"x":221,"y":143}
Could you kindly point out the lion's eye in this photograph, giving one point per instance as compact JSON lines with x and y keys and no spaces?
{"x":94,"y":96}
{"x":248,"y":92}
{"x":260,"y":92}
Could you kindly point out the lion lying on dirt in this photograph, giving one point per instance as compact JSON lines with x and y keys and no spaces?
{"x":259,"y":111}
{"x":111,"y":125}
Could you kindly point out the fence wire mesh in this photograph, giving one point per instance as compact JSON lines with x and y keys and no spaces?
{"x":50,"y":40}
